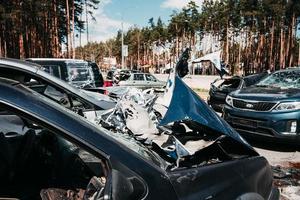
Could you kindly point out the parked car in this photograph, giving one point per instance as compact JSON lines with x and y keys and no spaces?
{"x":98,"y":78}
{"x":220,"y":88}
{"x":109,"y":78}
{"x":76,"y":72}
{"x":141,"y":80}
{"x":269,"y":109}
{"x":33,"y":76}
{"x":66,"y":157}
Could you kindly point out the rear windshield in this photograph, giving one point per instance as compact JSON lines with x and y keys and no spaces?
{"x":79,"y":72}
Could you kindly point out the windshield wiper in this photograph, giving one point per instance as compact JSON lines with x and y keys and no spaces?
{"x":268,"y":86}
{"x":262,"y":85}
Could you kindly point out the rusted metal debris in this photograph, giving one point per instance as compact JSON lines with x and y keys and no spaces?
{"x":287,"y":175}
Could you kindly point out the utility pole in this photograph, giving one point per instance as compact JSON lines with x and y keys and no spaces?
{"x":87,"y":22}
{"x":122,"y":50}
{"x":138,"y":53}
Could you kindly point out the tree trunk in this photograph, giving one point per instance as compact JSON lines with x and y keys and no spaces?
{"x":292,"y":38}
{"x":21,"y":46}
{"x":271,"y":62}
{"x":73,"y":30}
{"x":282,"y":62}
{"x":68,"y":28}
{"x":87,"y":22}
{"x":227,"y":45}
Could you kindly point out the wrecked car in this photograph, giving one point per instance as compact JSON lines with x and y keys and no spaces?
{"x":174,"y":139}
{"x":64,"y":156}
{"x":78,"y":73}
{"x":220,"y":88}
{"x":268,"y":110}
{"x":34,"y":77}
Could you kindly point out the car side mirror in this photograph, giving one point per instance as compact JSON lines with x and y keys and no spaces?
{"x":124,"y":187}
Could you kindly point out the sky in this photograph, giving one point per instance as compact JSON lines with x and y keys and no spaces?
{"x":111,"y":13}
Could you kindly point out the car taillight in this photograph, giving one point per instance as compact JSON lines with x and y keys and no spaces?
{"x":107,"y":83}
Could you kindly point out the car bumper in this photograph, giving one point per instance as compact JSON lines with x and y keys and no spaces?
{"x":272,"y":125}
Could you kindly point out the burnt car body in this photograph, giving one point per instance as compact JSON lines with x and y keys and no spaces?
{"x":65,"y":156}
{"x":33,"y":76}
{"x":269,"y":109}
{"x":220,"y":88}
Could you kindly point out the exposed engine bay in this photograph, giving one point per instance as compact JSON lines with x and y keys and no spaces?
{"x":180,"y":138}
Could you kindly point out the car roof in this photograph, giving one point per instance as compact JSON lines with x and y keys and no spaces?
{"x":67,"y":60}
{"x":21,"y":64}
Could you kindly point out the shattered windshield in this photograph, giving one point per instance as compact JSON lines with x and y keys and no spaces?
{"x":282,"y":79}
{"x":79,"y":72}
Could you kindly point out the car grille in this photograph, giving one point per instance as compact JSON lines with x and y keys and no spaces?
{"x":248,"y":125}
{"x":257,"y":106}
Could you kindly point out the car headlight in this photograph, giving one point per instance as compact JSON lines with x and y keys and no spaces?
{"x":287,"y":106}
{"x":229,"y":100}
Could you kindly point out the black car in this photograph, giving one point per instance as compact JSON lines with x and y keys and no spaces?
{"x":48,"y":152}
{"x":78,"y":73}
{"x":220,"y":88}
{"x":269,"y":109}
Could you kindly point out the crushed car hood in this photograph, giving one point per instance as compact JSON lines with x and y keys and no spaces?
{"x":187,"y":105}
{"x":180,"y":127}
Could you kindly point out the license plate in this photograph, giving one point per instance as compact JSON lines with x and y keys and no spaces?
{"x":245,"y":122}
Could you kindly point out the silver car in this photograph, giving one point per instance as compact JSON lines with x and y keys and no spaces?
{"x":143,"y":81}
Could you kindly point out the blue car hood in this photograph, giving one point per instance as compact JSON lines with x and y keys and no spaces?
{"x":185,"y":104}
{"x":267,"y":93}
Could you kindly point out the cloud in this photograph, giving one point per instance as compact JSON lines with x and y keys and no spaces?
{"x":178,"y":4}
{"x":104,"y":27}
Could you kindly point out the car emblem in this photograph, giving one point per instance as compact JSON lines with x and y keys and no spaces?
{"x":249,"y":105}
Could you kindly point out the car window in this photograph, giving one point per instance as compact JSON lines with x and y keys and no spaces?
{"x":79,"y":72}
{"x":54,"y":70}
{"x":57,"y":96}
{"x":149,"y":77}
{"x":138,"y":77}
